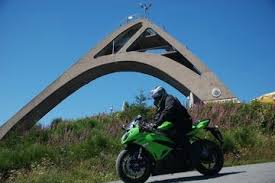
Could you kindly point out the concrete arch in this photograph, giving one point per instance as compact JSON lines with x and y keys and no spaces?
{"x":164,"y":67}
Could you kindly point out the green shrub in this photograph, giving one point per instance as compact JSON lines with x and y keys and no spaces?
{"x":23,"y":156}
{"x":229,"y":142}
{"x":231,"y":115}
{"x":245,"y":136}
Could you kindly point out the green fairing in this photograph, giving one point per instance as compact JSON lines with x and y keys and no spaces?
{"x":150,"y":141}
{"x":198,"y":126}
{"x":165,"y":125}
{"x":157,"y":144}
{"x":130,"y":135}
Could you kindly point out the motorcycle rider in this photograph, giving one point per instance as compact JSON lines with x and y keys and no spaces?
{"x":170,"y":109}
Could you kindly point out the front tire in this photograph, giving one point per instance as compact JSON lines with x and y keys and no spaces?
{"x":131,"y":168}
{"x":210,"y":158}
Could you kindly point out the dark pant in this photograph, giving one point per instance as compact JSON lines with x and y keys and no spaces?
{"x":183,"y":141}
{"x":178,"y":136}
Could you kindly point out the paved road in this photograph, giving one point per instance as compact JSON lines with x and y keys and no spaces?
{"x":256,"y":173}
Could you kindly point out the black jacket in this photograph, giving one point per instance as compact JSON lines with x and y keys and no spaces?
{"x":170,"y":109}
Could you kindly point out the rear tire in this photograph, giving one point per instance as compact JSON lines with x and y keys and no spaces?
{"x":210,"y":153}
{"x":126,"y":170}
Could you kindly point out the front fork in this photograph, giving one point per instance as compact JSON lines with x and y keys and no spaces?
{"x":139,"y":153}
{"x":143,"y":154}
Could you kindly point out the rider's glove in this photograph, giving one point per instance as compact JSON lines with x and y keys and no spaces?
{"x":148,"y":127}
{"x":152,"y":126}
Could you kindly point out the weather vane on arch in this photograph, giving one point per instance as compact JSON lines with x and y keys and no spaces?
{"x":145,"y":7}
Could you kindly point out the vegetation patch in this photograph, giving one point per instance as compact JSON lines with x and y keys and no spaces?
{"x":84,"y":150}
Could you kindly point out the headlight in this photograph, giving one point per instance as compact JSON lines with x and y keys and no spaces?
{"x":125,"y":136}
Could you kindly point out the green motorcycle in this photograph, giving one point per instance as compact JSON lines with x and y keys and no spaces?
{"x":150,"y":152}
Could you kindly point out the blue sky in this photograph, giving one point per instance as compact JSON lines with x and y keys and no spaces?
{"x":39,"y":40}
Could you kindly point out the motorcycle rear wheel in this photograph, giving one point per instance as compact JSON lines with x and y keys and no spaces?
{"x":211,"y":158}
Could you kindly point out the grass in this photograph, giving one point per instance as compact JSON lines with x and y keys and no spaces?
{"x":84,"y":150}
{"x":67,"y":151}
{"x":78,"y":172}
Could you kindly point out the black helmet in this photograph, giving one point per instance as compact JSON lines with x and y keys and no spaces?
{"x":157,"y":94}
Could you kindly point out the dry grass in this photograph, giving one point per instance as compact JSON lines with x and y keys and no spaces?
{"x":84,"y":150}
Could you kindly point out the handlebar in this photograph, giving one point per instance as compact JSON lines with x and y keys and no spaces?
{"x":143,"y":124}
{"x":149,"y":127}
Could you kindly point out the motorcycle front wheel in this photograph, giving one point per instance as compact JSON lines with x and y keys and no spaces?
{"x":132,"y":167}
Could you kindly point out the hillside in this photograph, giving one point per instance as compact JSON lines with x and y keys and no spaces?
{"x":84,"y":150}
